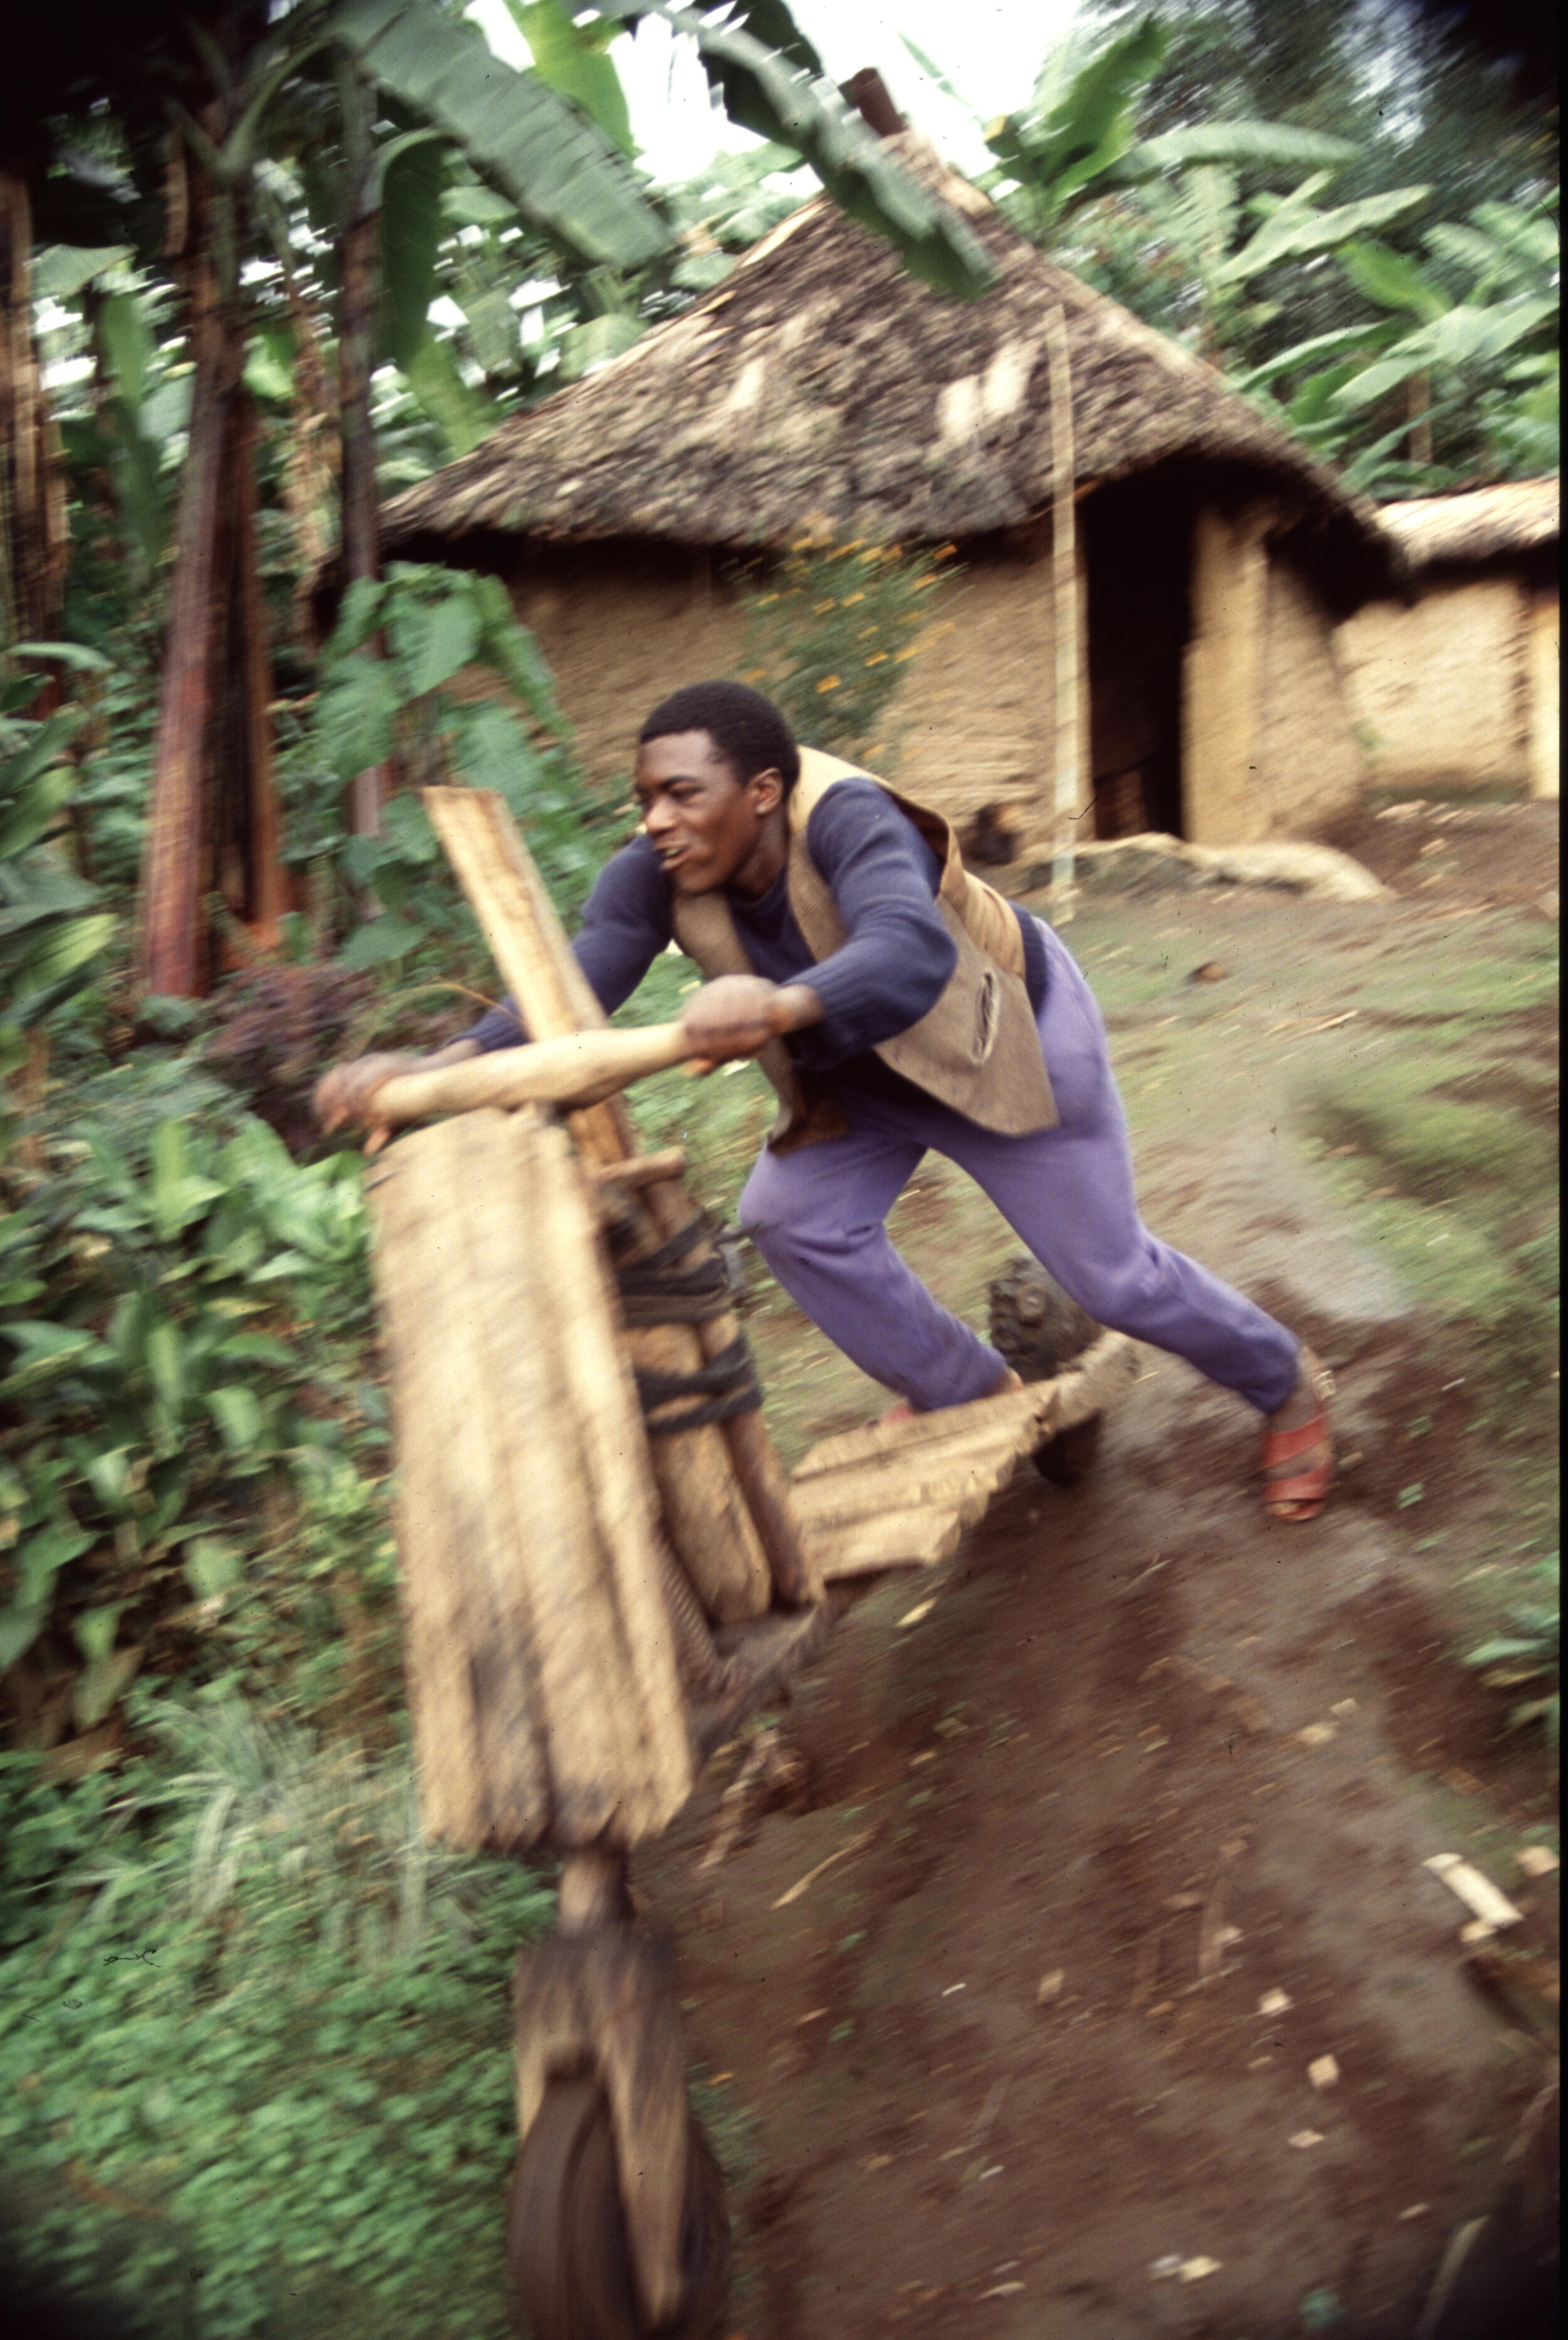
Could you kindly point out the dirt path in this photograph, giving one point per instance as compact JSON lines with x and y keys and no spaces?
{"x":1124,"y":1812}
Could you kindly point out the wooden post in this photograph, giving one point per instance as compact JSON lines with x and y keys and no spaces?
{"x":1222,"y":678}
{"x":726,"y":1500}
{"x":1543,"y":666}
{"x":1064,"y":619}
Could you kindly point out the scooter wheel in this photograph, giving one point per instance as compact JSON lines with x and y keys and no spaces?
{"x":566,"y":2232}
{"x":1040,"y":1332}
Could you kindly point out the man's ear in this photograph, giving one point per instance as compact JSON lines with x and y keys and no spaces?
{"x":766,"y":790}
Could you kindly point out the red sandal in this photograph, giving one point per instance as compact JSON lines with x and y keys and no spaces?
{"x":1301,"y":1497}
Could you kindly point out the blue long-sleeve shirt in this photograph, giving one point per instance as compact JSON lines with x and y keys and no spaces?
{"x":892,"y":968}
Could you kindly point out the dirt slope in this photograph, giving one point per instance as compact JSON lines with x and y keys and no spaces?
{"x":1129,"y":1823}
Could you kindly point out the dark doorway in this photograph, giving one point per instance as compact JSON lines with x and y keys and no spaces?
{"x":1137,"y":535}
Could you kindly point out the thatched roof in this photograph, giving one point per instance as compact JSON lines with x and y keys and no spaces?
{"x":1482,"y":524}
{"x":820,"y":378}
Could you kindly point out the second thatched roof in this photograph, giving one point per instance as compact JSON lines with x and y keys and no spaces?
{"x":821,"y":381}
{"x":1480,"y":524}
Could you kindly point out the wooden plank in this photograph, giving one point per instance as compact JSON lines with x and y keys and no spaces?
{"x":574,"y":1070}
{"x":887,"y":1473}
{"x":1015,"y":1413}
{"x":1095,"y":1383}
{"x":543,"y":1684}
{"x":449,"y":1496}
{"x":605,"y":1648}
{"x":901,"y":1496}
{"x":501,"y":879}
{"x":736,"y":1550}
{"x":887,"y":1539}
{"x":838,"y":1498}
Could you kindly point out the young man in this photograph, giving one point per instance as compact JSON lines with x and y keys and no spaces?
{"x":899,"y":1006}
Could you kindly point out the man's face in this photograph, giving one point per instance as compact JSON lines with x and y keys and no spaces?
{"x":709,"y":830}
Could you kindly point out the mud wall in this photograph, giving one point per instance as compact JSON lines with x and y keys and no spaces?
{"x":1268,"y":742}
{"x":970,"y":732}
{"x":621,"y":628}
{"x":1441,"y":689}
{"x":1310,"y":762}
{"x":1269,"y":747}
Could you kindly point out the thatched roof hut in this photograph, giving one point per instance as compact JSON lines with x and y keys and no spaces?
{"x":821,"y":377}
{"x":820,"y":382}
{"x":1454,"y":682}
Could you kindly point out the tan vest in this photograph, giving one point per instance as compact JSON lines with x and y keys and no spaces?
{"x":977,"y":1050}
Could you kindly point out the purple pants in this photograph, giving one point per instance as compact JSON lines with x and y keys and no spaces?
{"x":818,"y":1217}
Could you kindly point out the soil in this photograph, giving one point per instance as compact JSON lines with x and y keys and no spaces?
{"x":1115,"y":1827}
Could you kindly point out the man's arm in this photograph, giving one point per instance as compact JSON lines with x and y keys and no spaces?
{"x":625,"y":925}
{"x":898,"y":956}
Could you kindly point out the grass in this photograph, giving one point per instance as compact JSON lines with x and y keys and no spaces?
{"x":1442,"y":1142}
{"x":255,"y":2077}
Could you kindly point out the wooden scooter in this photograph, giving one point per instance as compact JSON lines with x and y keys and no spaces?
{"x":604,"y":1568}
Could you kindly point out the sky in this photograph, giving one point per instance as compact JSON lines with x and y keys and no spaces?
{"x":989,"y":49}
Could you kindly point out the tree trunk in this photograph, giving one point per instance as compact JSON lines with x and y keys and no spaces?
{"x":311,"y":466}
{"x":239,"y":774}
{"x":172,"y":957}
{"x":34,"y":543}
{"x":358,"y":304}
{"x":212,"y":822}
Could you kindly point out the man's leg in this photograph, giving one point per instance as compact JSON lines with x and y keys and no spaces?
{"x":817,"y":1216}
{"x":1068,"y":1192}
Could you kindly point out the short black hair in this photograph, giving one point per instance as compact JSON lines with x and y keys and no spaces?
{"x":748,"y":729}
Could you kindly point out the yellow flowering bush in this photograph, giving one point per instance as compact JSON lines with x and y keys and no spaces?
{"x":830,"y":634}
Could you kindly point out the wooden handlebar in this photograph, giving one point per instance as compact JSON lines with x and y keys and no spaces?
{"x":581,"y":1069}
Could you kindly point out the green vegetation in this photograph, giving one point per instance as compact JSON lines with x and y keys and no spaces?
{"x":185,"y":1311}
{"x":1203,"y":159}
{"x":1444,"y":1146}
{"x":1529,"y":1653}
{"x":1452,"y":1138}
{"x":252,"y":2080}
{"x":829,"y":635}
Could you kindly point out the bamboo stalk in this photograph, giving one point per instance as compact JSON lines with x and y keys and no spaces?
{"x":1063,"y":618}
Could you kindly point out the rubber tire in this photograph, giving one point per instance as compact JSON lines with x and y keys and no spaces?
{"x":566,"y":2236}
{"x":1039,"y":1331}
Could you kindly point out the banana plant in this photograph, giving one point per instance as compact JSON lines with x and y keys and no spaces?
{"x":139,"y":408}
{"x":1489,"y":352}
{"x":539,"y":145}
{"x":768,"y":78}
{"x":1077,"y":139}
{"x":53,"y":928}
{"x":1200,"y":218}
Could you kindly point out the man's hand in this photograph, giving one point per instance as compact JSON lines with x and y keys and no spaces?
{"x":738,"y":1015}
{"x":347,"y":1094}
